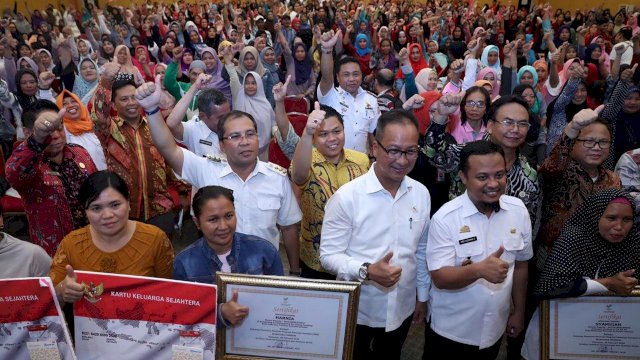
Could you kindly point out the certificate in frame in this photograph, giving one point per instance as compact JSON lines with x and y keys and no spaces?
{"x":289,"y":318}
{"x":549,"y":318}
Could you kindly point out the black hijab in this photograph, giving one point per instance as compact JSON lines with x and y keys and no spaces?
{"x":580,"y":251}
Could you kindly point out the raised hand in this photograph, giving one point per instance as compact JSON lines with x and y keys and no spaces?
{"x":329,"y":39}
{"x":201,"y":82}
{"x":627,"y":74}
{"x":620,"y":48}
{"x":315,"y":119}
{"x":280,"y":90}
{"x":403,"y":55}
{"x":177,"y":53}
{"x":581,"y":120}
{"x":148,"y":94}
{"x":448,"y":104}
{"x":69,"y":289}
{"x":45,"y":79}
{"x":46,"y":123}
{"x":234,"y":312}
{"x":457,"y":66}
{"x":414,"y":102}
{"x":383,"y":273}
{"x":578,"y":73}
{"x":237,"y":47}
{"x":494,"y":269}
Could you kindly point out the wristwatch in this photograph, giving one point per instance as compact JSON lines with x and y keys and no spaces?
{"x":363,"y":273}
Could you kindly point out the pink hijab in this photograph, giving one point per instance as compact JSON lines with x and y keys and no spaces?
{"x":495,"y":85}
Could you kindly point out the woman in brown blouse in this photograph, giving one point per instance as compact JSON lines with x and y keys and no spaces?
{"x":111,"y":242}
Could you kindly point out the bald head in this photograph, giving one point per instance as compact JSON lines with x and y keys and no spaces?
{"x":385,"y":78}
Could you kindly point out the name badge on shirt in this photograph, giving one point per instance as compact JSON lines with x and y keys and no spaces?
{"x":206,"y":142}
{"x":468,"y":240}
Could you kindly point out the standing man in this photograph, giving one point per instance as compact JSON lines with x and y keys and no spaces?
{"x":199,"y":133}
{"x":129,"y":151}
{"x":375,"y":231}
{"x":47,"y":173}
{"x":358,"y":108}
{"x":263,"y":195}
{"x":477,"y":253}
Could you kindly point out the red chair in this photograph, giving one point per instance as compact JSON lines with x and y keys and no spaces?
{"x":298,"y":121}
{"x":293,"y":104}
{"x":276,"y":155}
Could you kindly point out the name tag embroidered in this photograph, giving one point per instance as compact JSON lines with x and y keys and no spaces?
{"x":205,"y":142}
{"x":468,"y":240}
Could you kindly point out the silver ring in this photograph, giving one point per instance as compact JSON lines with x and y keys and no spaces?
{"x":47,"y":123}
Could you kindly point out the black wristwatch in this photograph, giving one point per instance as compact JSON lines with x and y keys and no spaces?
{"x":363,"y":273}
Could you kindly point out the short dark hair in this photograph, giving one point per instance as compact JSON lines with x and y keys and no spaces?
{"x":31,"y":113}
{"x":119,"y":84}
{"x":342,"y":61}
{"x":209,"y":192}
{"x":480,"y":147}
{"x":99,"y":181}
{"x":234,"y":114}
{"x":626,"y":33}
{"x":396,"y":116}
{"x":331,"y":112}
{"x":509,"y":99}
{"x":487,"y":101}
{"x":209,"y":99}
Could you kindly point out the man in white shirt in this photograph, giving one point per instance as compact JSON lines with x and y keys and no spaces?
{"x":375,"y":231}
{"x":19,"y":258}
{"x":623,"y":47}
{"x":199,"y":133}
{"x":358,"y":108}
{"x":477,"y":253}
{"x":263,"y":195}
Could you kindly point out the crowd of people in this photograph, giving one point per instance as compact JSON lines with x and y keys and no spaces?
{"x":463,"y":161}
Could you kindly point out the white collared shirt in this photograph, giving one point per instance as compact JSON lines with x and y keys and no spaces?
{"x":362,"y":223}
{"x":262,"y":201}
{"x":197,"y":137}
{"x":360,"y":115}
{"x":476,"y":314}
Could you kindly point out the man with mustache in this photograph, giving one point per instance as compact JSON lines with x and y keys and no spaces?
{"x":477,"y":253}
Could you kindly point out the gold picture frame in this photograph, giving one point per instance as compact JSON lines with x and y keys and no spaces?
{"x":545,"y":323}
{"x":343,"y":293}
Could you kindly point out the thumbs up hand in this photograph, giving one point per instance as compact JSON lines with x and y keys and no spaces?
{"x":494,"y":269}
{"x":234,"y":312}
{"x":68,"y":290}
{"x":383,"y":272}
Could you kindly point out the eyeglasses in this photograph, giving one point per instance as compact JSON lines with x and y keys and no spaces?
{"x":590,"y":144}
{"x":249,"y":135}
{"x":474,"y":104}
{"x":397,"y":154}
{"x":510,"y":124}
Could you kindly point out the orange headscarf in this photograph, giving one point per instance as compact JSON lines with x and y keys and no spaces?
{"x":84,"y":123}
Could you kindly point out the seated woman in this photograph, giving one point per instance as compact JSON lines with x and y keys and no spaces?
{"x":221,"y":248}
{"x":111,"y":242}
{"x":597,"y":251}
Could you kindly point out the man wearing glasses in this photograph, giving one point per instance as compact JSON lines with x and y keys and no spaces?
{"x":507,"y":127}
{"x":263,"y":195}
{"x":375,"y":231}
{"x":573,"y":172}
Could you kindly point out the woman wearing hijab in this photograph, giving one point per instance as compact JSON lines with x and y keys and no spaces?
{"x":25,"y":63}
{"x":28,"y":90}
{"x":214,"y":67}
{"x":490,"y":75}
{"x":491,"y":58}
{"x":535,"y":141}
{"x":527,"y":75}
{"x":79,"y":128}
{"x":417,"y":61}
{"x":436,"y":59}
{"x":87,"y":80}
{"x":250,"y":98}
{"x":426,"y":80}
{"x":142,"y":61}
{"x":123,"y":58}
{"x":107,"y":50}
{"x":185,"y":63}
{"x":598,"y":251}
{"x":272,"y":77}
{"x":572,"y":99}
{"x":623,"y":113}
{"x":249,"y":60}
{"x":401,"y":41}
{"x":568,"y":68}
{"x":300,"y":67}
{"x":383,"y":57}
{"x":45,"y":60}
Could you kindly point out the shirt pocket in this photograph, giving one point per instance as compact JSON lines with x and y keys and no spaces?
{"x":513,"y":244}
{"x":468,"y":248}
{"x":268,"y":210}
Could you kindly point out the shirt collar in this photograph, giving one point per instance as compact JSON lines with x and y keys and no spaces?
{"x":373,"y":185}
{"x":259,"y":168}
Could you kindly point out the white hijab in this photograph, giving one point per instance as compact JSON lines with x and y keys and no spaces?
{"x":259,"y":107}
